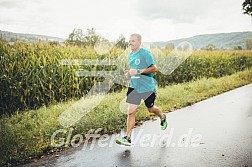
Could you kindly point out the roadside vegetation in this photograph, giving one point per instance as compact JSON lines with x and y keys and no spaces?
{"x":36,"y":88}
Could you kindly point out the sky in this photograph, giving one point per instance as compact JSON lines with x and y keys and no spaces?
{"x":155,"y":20}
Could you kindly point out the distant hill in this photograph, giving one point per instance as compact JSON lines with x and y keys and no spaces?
{"x":220,"y":40}
{"x":12,"y":37}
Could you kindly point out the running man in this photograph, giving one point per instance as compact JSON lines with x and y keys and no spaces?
{"x":142,"y":86}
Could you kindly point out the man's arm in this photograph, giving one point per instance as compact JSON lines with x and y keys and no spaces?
{"x":148,"y":70}
{"x":151,"y":69}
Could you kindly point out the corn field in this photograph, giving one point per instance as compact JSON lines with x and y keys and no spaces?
{"x":32,"y":75}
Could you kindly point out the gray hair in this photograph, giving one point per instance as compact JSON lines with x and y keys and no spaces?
{"x":139,"y":37}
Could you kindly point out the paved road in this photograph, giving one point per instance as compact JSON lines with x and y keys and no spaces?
{"x":214,"y":132}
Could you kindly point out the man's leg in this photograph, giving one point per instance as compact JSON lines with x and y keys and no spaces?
{"x":149,"y":103}
{"x":156,"y":111}
{"x":133,"y":100}
{"x":149,"y":100}
{"x":132,"y":108}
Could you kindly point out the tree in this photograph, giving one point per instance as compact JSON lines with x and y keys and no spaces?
{"x":210,"y":47}
{"x":76,"y":37}
{"x":237,"y":47}
{"x":12,"y":39}
{"x":169,"y":46}
{"x":121,"y":42}
{"x":80,"y":38}
{"x":247,"y":7}
{"x":249,"y":44}
{"x":91,"y":38}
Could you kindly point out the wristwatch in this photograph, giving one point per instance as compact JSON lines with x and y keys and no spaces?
{"x":138,"y":71}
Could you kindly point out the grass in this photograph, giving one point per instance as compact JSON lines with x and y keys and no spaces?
{"x":26,"y":135}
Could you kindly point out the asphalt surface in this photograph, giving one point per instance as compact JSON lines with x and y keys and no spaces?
{"x":214,"y":132}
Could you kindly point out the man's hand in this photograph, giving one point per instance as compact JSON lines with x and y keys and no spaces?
{"x":151,"y":69}
{"x":127,"y":74}
{"x":133,"y":72}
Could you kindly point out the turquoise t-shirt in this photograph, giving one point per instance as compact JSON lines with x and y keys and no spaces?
{"x":142,"y":60}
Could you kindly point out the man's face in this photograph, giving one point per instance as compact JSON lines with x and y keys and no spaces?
{"x":134,"y":43}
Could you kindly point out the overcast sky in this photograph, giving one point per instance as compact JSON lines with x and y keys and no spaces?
{"x":156,"y":20}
